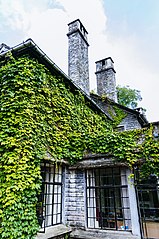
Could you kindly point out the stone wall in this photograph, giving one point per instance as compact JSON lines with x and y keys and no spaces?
{"x":75,"y":210}
{"x":106,"y":81}
{"x":130,"y":122}
{"x":75,"y":198}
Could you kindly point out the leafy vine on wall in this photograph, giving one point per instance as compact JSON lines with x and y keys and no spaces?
{"x":39,"y":114}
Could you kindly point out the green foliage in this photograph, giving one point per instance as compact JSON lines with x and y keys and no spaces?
{"x":116,"y":114}
{"x":149,"y":151}
{"x":40,"y":114}
{"x":128,"y":97}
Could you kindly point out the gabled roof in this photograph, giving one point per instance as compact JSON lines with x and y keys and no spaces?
{"x":30,"y":47}
{"x":104,"y":104}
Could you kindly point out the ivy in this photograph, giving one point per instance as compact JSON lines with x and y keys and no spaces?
{"x":117,"y":114}
{"x":41,"y":115}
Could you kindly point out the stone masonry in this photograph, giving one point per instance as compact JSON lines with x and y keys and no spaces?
{"x":130,"y":122}
{"x":96,"y":234}
{"x":75,"y":209}
{"x":78,"y":67}
{"x":75,"y":198}
{"x":106,"y":82}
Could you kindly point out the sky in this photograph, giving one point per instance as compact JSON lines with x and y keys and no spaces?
{"x":126,"y":30}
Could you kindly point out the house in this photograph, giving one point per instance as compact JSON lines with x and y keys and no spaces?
{"x":68,"y":155}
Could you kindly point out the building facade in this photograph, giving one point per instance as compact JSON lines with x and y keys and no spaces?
{"x":96,"y":196}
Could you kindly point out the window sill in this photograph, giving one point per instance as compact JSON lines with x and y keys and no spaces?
{"x":102,"y":234}
{"x":54,"y":232}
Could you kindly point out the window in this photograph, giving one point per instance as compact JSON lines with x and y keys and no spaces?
{"x":107,"y":199}
{"x":148,"y":196}
{"x":49,"y":209}
{"x":103,"y":62}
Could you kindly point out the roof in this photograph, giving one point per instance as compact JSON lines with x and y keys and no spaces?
{"x":31,"y":48}
{"x":106,"y":102}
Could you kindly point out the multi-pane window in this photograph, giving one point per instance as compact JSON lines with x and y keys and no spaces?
{"x":107,"y":199}
{"x":148,"y":196}
{"x":49,"y":208}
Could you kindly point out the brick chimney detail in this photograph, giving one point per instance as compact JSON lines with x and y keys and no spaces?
{"x":106,"y":81}
{"x":78,"y":65}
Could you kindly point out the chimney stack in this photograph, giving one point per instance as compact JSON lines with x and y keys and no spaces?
{"x":106,"y":82}
{"x":78,"y":66}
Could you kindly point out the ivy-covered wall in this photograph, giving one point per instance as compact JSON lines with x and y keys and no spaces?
{"x":40,"y":114}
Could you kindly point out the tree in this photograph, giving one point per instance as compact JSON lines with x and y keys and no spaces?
{"x":128,"y":97}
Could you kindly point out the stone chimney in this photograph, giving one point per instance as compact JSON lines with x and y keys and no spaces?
{"x":106,"y":82}
{"x":78,"y":66}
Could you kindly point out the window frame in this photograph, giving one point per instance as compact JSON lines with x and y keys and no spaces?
{"x":49,"y":206}
{"x":95,"y":216}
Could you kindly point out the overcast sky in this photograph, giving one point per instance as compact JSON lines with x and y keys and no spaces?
{"x":126,"y":30}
